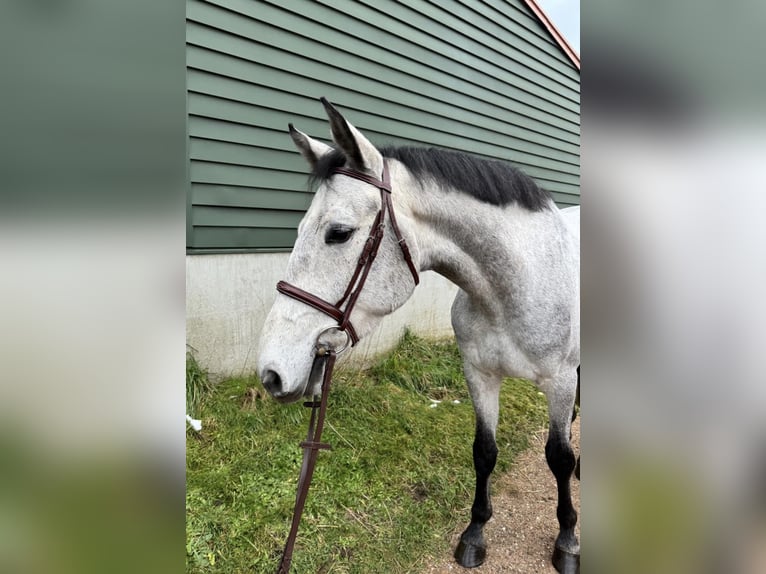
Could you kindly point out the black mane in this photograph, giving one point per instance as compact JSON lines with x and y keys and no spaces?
{"x":491,"y":181}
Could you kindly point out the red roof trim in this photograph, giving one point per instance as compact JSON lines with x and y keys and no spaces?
{"x":560,"y":40}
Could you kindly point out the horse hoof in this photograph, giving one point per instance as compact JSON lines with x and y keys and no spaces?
{"x":470,"y":555}
{"x":566,"y":562}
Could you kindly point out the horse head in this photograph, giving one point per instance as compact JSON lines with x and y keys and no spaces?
{"x":336,"y":239}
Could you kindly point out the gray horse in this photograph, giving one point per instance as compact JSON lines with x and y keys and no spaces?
{"x":485,"y":226}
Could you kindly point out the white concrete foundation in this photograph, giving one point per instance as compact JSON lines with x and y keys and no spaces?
{"x":228,"y":297}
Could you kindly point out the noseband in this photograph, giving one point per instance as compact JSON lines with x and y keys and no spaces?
{"x":369,"y":252}
{"x":318,"y":406}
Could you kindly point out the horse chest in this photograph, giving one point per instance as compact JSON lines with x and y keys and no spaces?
{"x":491,"y":348}
{"x":502,"y":354}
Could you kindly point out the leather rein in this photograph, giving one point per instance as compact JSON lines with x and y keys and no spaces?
{"x":342,"y":315}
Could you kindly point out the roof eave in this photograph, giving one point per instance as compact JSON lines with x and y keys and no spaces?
{"x":557,"y":36}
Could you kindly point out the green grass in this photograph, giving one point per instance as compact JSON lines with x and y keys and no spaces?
{"x":398,"y":480}
{"x":197,"y":384}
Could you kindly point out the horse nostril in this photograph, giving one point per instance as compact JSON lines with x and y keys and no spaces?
{"x":272,"y":382}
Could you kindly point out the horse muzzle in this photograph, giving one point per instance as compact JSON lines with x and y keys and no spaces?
{"x":272,"y":382}
{"x":275,"y":385}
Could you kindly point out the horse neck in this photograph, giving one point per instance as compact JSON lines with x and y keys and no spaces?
{"x":472,"y":243}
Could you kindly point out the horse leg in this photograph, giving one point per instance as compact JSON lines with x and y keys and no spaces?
{"x":574,"y":414}
{"x":577,"y":398}
{"x":562,"y":462}
{"x":485,"y":391}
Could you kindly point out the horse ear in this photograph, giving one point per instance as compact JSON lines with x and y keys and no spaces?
{"x":360,"y":152}
{"x":310,"y":148}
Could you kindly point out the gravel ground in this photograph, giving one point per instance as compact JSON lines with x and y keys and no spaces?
{"x":521,"y":533}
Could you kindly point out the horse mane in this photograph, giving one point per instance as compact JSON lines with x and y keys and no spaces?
{"x":490,"y":181}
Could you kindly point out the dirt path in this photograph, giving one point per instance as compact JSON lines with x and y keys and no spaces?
{"x":520,"y":535}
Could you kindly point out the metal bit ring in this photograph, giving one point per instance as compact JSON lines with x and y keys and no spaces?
{"x":322,"y":349}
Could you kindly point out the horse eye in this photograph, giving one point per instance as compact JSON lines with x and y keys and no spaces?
{"x":338,"y":234}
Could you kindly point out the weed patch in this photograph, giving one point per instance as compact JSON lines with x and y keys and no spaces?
{"x":198,"y":384}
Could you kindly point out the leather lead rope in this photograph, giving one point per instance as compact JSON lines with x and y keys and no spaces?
{"x":311,"y":446}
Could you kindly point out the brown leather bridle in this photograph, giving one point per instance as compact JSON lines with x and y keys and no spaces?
{"x":370,"y":251}
{"x":318,"y":405}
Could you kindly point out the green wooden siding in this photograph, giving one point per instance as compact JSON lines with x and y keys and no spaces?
{"x":483,"y":77}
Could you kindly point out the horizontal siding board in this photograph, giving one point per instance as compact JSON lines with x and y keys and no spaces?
{"x":554,"y":186}
{"x":243,"y":237}
{"x":562,"y":198}
{"x":226,"y":174}
{"x":564,"y":191}
{"x":362,"y":57}
{"x":252,"y":197}
{"x":227,"y":152}
{"x":220,"y":130}
{"x":480,"y":76}
{"x":216,"y":216}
